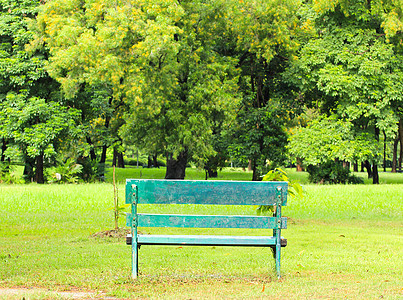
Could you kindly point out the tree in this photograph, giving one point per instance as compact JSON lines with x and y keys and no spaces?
{"x":259,"y":136}
{"x":352,"y":67}
{"x":36,"y":126}
{"x":329,"y":139}
{"x":192,"y":88}
{"x":265,"y":38}
{"x":93,"y":65}
{"x":32,"y":119}
{"x":159,"y":62}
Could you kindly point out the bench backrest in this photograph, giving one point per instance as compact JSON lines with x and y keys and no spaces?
{"x":147,"y":191}
{"x":207,"y":192}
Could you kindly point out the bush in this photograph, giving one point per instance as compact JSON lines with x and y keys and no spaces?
{"x":142,"y":162}
{"x":133,"y":162}
{"x":66,"y":172}
{"x":352,"y":179}
{"x":6,"y":174}
{"x":331,"y":172}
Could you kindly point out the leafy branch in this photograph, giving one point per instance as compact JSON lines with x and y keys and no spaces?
{"x":294,"y":188}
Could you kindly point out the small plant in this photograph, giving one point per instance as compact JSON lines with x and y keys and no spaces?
{"x":66,"y":172}
{"x":294,"y":188}
{"x":117,"y":209}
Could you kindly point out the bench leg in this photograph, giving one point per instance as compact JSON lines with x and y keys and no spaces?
{"x":135,"y":259}
{"x":277,"y":252}
{"x":135,"y":249}
{"x":278,"y":256}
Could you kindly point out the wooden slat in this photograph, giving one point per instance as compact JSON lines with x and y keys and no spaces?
{"x":206,"y":192}
{"x":208,"y":221}
{"x":206,"y":240}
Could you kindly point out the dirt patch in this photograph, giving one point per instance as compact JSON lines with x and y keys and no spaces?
{"x":40,"y":293}
{"x":113,"y":233}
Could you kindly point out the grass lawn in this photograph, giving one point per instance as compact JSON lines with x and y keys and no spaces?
{"x":343,"y":242}
{"x":234,"y":174}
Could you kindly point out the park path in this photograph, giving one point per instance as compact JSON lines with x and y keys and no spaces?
{"x":35,"y":293}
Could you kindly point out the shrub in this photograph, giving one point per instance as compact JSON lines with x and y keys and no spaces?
{"x":66,"y":172}
{"x":7,"y":175}
{"x":331,"y":172}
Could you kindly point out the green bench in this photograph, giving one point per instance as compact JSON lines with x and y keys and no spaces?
{"x":140,"y":191}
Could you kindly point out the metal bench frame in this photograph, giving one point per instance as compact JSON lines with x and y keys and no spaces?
{"x":147,"y":191}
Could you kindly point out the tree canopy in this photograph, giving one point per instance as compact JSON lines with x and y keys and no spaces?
{"x":31,"y":118}
{"x":353,"y":67}
{"x":199,"y":81}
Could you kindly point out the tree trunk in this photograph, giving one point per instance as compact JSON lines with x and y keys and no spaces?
{"x":367,"y":165}
{"x":155,"y":161}
{"x":384,"y":151}
{"x":300,"y":168}
{"x":121,"y":161}
{"x":29,"y":165}
{"x":401,"y":144}
{"x":394,"y":158}
{"x":103,"y":154}
{"x":355,"y":166}
{"x":362,"y":167}
{"x":375,"y":174}
{"x":149,"y":162}
{"x":256,"y":174}
{"x":92,"y":152}
{"x":118,"y":160}
{"x":3,"y":150}
{"x":176,"y":168}
{"x":102,"y":161}
{"x":39,"y":178}
{"x":250,"y":165}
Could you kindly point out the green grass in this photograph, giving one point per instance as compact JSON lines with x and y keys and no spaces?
{"x":234,"y":174}
{"x":343,"y":242}
{"x":224,"y":174}
{"x":191,"y":174}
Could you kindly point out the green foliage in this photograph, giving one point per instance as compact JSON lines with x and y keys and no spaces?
{"x":33,"y":117}
{"x":278,"y":174}
{"x":35,"y":124}
{"x":326,"y":139}
{"x":332,"y":172}
{"x":162,"y":61}
{"x":66,"y":172}
{"x":351,"y":68}
{"x":294,"y":188}
{"x":264,"y":29}
{"x":214,"y":79}
{"x":266,"y":36}
{"x":92,"y":171}
{"x":259,"y":135}
{"x":7,"y":175}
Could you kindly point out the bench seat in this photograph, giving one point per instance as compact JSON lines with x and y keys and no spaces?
{"x":206,"y":240}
